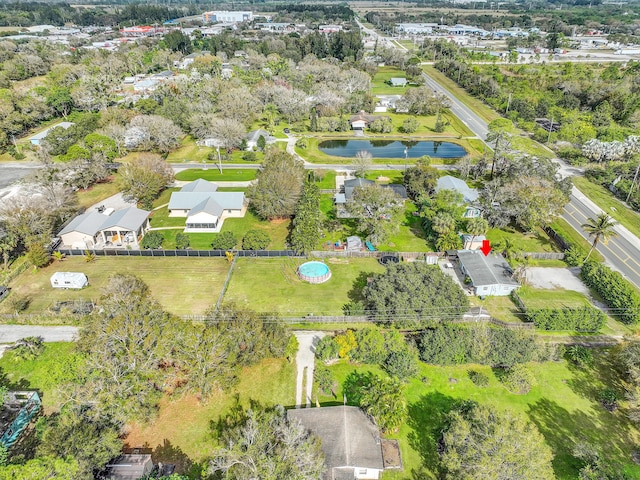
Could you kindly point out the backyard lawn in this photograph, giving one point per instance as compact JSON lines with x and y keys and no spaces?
{"x":182,"y":285}
{"x":536,"y":241}
{"x":563,"y":405}
{"x":42,"y":374}
{"x":272,"y":285}
{"x":186,"y":424}
{"x":559,"y":298}
{"x":98,"y":192}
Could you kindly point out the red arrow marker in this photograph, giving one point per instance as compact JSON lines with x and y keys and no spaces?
{"x":486,"y":247}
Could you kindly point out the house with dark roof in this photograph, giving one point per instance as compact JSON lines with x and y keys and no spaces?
{"x":490,"y":275}
{"x":352,"y":184}
{"x":204,"y":207}
{"x":131,"y":466}
{"x":469,"y":195}
{"x":350,"y":441}
{"x":122,"y":228}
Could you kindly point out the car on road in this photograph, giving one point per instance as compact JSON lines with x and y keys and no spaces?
{"x":286,"y":130}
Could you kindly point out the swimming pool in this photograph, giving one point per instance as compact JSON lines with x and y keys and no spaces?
{"x":314,"y":272}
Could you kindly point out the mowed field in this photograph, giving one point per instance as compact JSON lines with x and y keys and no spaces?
{"x":182,"y":285}
{"x":272,"y":285}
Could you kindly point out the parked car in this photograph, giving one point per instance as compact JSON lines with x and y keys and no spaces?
{"x":286,"y":130}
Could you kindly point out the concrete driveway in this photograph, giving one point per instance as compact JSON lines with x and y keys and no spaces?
{"x":305,"y":359}
{"x":12,"y":333}
{"x":552,"y":278}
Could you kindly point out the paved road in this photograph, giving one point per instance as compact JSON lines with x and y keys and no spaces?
{"x":305,"y":360}
{"x":460,"y":110}
{"x":621,"y":253}
{"x":12,"y":333}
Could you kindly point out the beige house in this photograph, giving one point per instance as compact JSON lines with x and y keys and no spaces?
{"x":204,"y":207}
{"x":123,"y":228}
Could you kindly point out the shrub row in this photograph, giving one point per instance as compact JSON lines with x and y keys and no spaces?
{"x":618,"y":293}
{"x":583,"y":319}
{"x":499,"y":347}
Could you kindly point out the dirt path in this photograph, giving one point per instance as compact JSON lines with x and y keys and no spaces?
{"x":305,"y":359}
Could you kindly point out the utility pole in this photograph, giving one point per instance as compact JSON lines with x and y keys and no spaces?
{"x":550,"y":128}
{"x":633,"y":182}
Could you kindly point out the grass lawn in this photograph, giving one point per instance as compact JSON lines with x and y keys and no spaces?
{"x":563,"y":405}
{"x":98,"y":192}
{"x":482,"y":110}
{"x":190,"y":152}
{"x":182,"y":285}
{"x":559,"y":298}
{"x":213,"y":174}
{"x":42,"y":374}
{"x":328,"y":181}
{"x":379,"y":85}
{"x":610,"y":204}
{"x":394,"y":176}
{"x":272,"y":285}
{"x":186,"y":423}
{"x":501,"y":308}
{"x":537,"y":241}
{"x":566,"y":231}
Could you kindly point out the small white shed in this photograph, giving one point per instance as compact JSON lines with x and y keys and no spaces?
{"x":69,"y":280}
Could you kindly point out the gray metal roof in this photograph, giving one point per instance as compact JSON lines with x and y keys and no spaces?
{"x":131,"y":218}
{"x":490,"y":270}
{"x":189,"y":200}
{"x":254,"y":135}
{"x":44,"y":133}
{"x":87,"y":223}
{"x":348,"y":437}
{"x":448,"y":182}
{"x":199,"y":185}
{"x":208,"y":206}
{"x":350,"y":185}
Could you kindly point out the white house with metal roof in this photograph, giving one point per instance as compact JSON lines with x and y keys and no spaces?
{"x":123,"y":228}
{"x":490,"y":275}
{"x":38,"y":137}
{"x":205,"y":207}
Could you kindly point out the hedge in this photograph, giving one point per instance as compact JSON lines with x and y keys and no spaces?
{"x":583,"y":319}
{"x":617,"y":292}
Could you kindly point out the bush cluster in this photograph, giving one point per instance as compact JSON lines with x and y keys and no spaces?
{"x":583,"y":319}
{"x":370,"y":345}
{"x":498,"y":347}
{"x":618,"y":293}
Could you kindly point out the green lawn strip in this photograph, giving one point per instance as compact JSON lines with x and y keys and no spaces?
{"x":482,"y":110}
{"x":530,"y":146}
{"x":98,"y":192}
{"x":326,"y":180}
{"x":272,"y":284}
{"x":610,"y":204}
{"x":271,"y":382}
{"x":213,"y":174}
{"x":501,"y":308}
{"x":190,"y":152}
{"x":537,"y":241}
{"x":559,"y":298}
{"x":394,"y":176}
{"x":563,"y":405}
{"x":42,"y":373}
{"x":562,"y":227}
{"x":182,"y":285}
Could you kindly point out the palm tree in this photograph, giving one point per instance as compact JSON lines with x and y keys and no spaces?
{"x":600,"y":228}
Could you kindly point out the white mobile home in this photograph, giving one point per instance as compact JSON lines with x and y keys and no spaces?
{"x":75,"y":280}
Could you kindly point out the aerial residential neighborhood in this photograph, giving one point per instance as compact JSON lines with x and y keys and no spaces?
{"x":319,"y":241}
